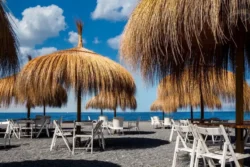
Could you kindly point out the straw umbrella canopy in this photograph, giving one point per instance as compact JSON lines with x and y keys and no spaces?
{"x":172,"y":102}
{"x":164,"y":36}
{"x":8,"y":44}
{"x":83,"y":70}
{"x":111,"y":101}
{"x":162,"y":105}
{"x":203,"y":90}
{"x":10,"y":94}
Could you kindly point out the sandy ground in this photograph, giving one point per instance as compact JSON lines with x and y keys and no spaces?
{"x":149,"y":148}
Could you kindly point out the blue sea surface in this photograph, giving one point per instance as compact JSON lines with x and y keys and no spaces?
{"x":128,"y":116}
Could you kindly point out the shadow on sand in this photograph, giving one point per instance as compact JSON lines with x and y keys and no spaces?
{"x":138,"y":133}
{"x":133,"y":143}
{"x":8,"y":147}
{"x":59,"y":163}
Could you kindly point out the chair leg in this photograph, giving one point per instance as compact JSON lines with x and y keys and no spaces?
{"x":47,"y":131}
{"x":171,"y":134}
{"x":66,"y":142}
{"x":73,"y":147}
{"x":92,"y":143}
{"x":175,"y":152}
{"x":103,"y":142}
{"x":53,"y":141}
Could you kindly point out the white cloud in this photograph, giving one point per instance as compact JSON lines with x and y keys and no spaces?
{"x":96,"y":40}
{"x":38,"y":24}
{"x":114,"y":43}
{"x":114,"y":10}
{"x":73,"y":38}
{"x":37,"y":52}
{"x":25,"y":51}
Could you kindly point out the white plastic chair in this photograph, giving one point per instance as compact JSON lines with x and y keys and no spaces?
{"x":157,"y":122}
{"x":96,"y":130}
{"x":184,"y":122}
{"x":14,"y":127}
{"x":181,"y":145}
{"x":42,"y":122}
{"x":117,"y":124}
{"x":224,"y":156}
{"x":152,"y":121}
{"x":167,"y":122}
{"x":59,"y":133}
{"x":172,"y":130}
{"x":105,"y":123}
{"x":135,"y":126}
{"x":7,"y":132}
{"x":89,"y":118}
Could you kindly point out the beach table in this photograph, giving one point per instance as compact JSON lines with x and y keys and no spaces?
{"x":28,"y":126}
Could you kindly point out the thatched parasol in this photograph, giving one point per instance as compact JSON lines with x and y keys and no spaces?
{"x":83,"y":70}
{"x":172,"y":102}
{"x":164,"y":36}
{"x":203,"y":90}
{"x":8,"y":44}
{"x":111,"y":101}
{"x":10,"y":94}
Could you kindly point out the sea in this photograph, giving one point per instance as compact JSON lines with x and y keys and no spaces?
{"x":128,"y":116}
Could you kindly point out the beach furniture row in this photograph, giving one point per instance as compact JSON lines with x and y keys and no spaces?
{"x":194,"y":140}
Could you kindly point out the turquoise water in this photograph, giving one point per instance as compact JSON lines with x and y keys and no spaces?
{"x":128,"y":116}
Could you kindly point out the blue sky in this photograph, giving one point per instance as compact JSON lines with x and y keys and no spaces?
{"x":44,"y":26}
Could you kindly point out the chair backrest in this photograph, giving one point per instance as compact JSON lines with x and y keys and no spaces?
{"x":89,"y":118}
{"x":104,"y":119}
{"x":118,"y":122}
{"x":156,"y":119}
{"x":97,"y":127}
{"x":181,"y":133}
{"x":60,"y":120}
{"x":216,"y":131}
{"x":209,"y":131}
{"x":167,"y":121}
{"x":58,"y":129}
{"x":184,"y":122}
{"x":152,"y":120}
{"x":39,"y":121}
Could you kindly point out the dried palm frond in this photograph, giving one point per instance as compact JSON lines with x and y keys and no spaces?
{"x":10,"y":94}
{"x":164,"y":36}
{"x":9,"y":62}
{"x":82,"y":69}
{"x":222,"y":85}
{"x":162,"y":105}
{"x":112,"y":100}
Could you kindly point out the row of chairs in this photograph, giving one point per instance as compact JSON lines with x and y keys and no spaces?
{"x":118,"y":124}
{"x":156,"y":122}
{"x":200,"y":148}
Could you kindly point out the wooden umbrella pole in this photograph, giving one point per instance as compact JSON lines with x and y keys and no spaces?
{"x":115,"y":112}
{"x":28,"y":111}
{"x":239,"y":89}
{"x":163,"y":115}
{"x":191,"y":112}
{"x":101,"y":112}
{"x":79,"y":105}
{"x":44,"y":108}
{"x":202,"y":104}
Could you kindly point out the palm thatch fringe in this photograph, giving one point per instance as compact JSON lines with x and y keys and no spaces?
{"x":112,"y":100}
{"x":164,"y":36}
{"x":10,"y":94}
{"x":9,"y":62}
